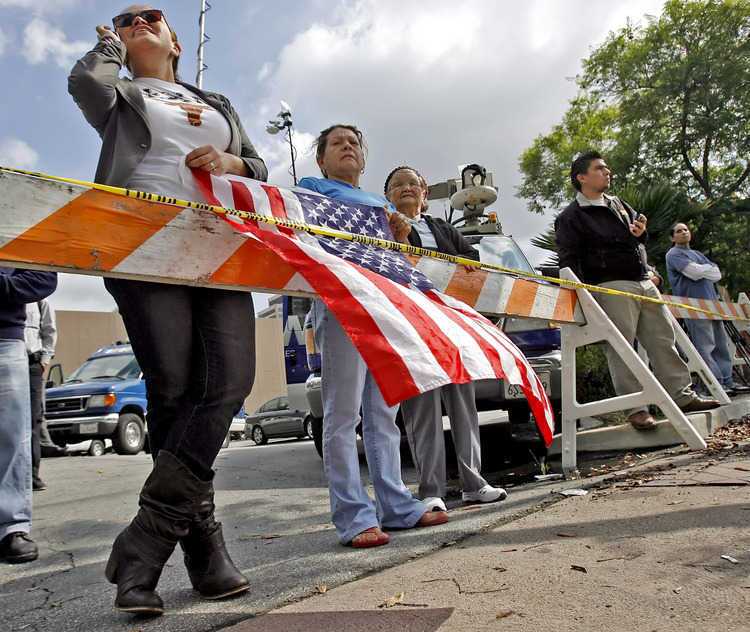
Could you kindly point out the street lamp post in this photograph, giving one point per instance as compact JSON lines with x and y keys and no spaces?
{"x":283,"y":121}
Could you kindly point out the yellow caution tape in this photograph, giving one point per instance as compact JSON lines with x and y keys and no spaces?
{"x":364,"y":239}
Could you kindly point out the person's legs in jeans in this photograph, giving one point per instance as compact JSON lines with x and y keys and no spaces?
{"x":36,"y":388}
{"x":15,"y":439}
{"x":342,"y":383}
{"x":222,"y":373}
{"x":397,"y":507}
{"x":701,"y":333}
{"x":159,"y":321}
{"x":196,"y":350}
{"x":722,"y":355}
{"x":423,"y":423}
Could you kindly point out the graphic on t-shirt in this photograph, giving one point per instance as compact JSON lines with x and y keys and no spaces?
{"x":192,"y":105}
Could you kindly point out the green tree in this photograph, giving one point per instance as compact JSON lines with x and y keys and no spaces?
{"x":667,"y":101}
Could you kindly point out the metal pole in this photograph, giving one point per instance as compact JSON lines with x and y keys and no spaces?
{"x":202,"y":39}
{"x":291,"y":149}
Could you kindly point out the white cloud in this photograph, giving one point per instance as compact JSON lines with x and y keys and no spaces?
{"x":42,"y":40}
{"x":264,"y":72}
{"x":4,"y":39}
{"x":38,"y":6}
{"x":17,"y":153}
{"x":458,"y":83}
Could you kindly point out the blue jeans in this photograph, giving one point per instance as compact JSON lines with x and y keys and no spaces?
{"x":346,"y":385}
{"x":710,"y":339}
{"x":15,"y":439}
{"x":196,"y":348}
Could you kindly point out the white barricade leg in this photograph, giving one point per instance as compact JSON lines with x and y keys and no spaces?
{"x":599,"y":328}
{"x":696,"y":364}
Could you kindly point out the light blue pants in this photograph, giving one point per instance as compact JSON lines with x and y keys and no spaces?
{"x":347,"y":385}
{"x":710,"y":339}
{"x":15,"y":438}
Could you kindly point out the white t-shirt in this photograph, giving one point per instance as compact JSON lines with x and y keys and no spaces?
{"x":180,"y":121}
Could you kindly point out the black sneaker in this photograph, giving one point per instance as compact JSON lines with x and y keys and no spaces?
{"x":18,"y":548}
{"x":37,"y":484}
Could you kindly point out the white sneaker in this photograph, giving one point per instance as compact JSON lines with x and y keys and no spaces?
{"x":488,"y":494}
{"x":434,"y":504}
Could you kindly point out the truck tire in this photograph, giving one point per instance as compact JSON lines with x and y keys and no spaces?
{"x":317,"y":434}
{"x":130,"y":436}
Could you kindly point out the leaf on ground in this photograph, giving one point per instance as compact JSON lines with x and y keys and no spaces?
{"x":677,"y":590}
{"x":321,"y":589}
{"x":573,"y":492}
{"x":580,"y":569}
{"x":393,"y":601}
{"x":503,"y":614}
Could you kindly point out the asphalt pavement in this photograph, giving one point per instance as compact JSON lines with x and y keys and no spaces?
{"x":273,"y":501}
{"x":650,"y":550}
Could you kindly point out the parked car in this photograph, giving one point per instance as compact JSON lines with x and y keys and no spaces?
{"x":275,"y":420}
{"x":91,"y":447}
{"x":104,"y":398}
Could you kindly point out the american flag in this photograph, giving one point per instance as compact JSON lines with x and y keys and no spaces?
{"x":412,"y":337}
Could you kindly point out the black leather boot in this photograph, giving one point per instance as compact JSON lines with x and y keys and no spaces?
{"x":212,"y":572}
{"x":141,"y":550}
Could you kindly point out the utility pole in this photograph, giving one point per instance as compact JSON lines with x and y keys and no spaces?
{"x":202,"y":39}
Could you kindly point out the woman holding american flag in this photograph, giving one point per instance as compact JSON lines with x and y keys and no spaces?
{"x":348,"y":386}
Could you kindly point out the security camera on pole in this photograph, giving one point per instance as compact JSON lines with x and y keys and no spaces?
{"x":283,"y":121}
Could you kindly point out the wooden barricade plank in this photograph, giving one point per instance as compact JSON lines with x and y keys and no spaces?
{"x":71,"y":228}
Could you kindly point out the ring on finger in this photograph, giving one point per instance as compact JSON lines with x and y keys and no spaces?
{"x":211,"y":166}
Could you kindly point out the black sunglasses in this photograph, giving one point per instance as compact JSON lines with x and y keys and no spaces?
{"x":125,"y":20}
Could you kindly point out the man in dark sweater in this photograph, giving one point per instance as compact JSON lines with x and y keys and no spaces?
{"x":600,"y":238}
{"x":17,"y":288}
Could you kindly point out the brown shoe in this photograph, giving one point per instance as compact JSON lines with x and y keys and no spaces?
{"x":432,"y":518}
{"x":698,"y":404}
{"x":642,"y":420}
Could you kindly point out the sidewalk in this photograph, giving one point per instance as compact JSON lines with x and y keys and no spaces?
{"x":641,"y":551}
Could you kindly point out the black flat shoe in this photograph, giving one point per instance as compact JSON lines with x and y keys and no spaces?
{"x":18,"y":548}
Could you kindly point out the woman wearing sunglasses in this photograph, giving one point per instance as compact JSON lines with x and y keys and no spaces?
{"x":196,"y":346}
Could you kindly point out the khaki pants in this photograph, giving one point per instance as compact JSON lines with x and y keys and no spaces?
{"x":647,"y":323}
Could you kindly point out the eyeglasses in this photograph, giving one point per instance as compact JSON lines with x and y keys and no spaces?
{"x":125,"y":20}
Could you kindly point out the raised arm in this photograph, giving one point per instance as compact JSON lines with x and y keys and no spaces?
{"x":93,"y":79}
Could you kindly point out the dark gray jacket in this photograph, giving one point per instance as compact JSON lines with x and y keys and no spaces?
{"x":447,"y":237}
{"x":114,"y":107}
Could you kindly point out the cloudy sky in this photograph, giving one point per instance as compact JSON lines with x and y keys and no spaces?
{"x":433,"y":84}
